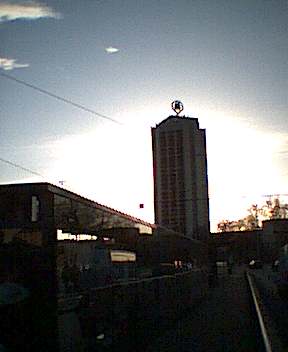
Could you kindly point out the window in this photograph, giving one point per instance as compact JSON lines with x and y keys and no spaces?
{"x":35,"y":209}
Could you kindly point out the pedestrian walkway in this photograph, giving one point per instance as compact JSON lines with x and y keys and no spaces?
{"x":223,"y":322}
{"x":276,"y":307}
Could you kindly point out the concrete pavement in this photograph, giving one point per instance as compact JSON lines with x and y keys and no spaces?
{"x":222,"y":322}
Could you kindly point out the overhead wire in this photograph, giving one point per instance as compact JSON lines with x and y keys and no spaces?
{"x":55,"y":96}
{"x":58,"y":97}
{"x":79,"y":106}
{"x":21,"y":167}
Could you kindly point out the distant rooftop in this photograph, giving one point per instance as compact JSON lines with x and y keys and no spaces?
{"x":178,"y":118}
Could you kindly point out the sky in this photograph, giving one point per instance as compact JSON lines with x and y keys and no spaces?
{"x":127,"y":60}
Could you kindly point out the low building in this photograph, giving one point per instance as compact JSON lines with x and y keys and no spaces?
{"x":263,"y":243}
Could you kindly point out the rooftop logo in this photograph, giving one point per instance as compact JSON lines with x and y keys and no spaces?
{"x":177,"y":106}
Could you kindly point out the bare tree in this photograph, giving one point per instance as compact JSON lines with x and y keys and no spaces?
{"x":272,"y":209}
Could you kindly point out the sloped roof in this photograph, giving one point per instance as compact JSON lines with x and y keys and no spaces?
{"x":64,"y":192}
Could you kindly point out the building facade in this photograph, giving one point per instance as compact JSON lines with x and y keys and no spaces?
{"x":180,"y":176}
{"x":69,"y":258}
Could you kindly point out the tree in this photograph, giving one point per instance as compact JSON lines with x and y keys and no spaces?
{"x":273,"y":209}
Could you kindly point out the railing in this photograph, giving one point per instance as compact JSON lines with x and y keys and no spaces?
{"x":123,"y":314}
{"x":270,"y":338}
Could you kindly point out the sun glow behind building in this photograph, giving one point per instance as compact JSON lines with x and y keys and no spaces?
{"x":227,"y":64}
{"x":112,"y":164}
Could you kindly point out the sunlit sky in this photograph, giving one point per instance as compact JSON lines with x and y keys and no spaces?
{"x":128,"y":60}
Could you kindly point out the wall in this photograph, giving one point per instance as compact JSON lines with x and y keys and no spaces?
{"x":124,"y":314}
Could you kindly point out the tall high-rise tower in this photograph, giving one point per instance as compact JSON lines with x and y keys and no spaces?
{"x":180,"y":175}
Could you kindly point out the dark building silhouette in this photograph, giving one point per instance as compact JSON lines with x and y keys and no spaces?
{"x":180,"y":176}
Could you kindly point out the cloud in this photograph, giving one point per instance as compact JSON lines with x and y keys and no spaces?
{"x":29,"y":10}
{"x":10,"y":64}
{"x":111,"y":50}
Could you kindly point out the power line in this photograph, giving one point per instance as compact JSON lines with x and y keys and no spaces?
{"x":58,"y":97}
{"x":21,"y":167}
{"x":52,"y":95}
{"x":82,"y":107}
